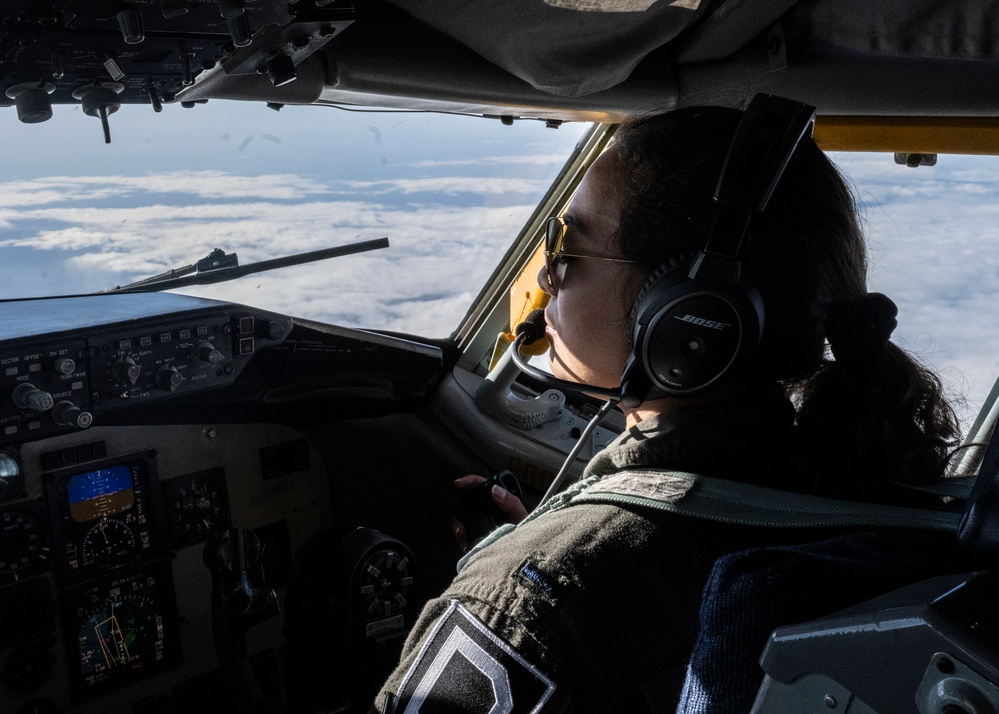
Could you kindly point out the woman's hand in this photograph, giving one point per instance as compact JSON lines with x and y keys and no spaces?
{"x":510,"y":506}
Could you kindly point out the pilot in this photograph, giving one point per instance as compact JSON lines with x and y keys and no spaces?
{"x":597,"y":604}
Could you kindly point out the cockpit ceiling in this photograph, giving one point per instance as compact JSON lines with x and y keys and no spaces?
{"x":546,"y":59}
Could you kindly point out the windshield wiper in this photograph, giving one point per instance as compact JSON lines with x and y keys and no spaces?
{"x":219,"y":266}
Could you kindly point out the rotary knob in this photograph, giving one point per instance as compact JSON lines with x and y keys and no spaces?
{"x":169,"y":378}
{"x":65,"y":413}
{"x":126,"y":370}
{"x":64,"y":365}
{"x":206,"y":352}
{"x":28,"y":396}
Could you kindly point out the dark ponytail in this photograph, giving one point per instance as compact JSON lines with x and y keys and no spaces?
{"x":872,"y":417}
{"x":874,"y":423}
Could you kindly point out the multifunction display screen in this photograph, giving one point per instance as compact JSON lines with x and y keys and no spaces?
{"x":125,"y":628}
{"x":106,"y":517}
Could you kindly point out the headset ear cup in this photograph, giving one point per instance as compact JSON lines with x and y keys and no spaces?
{"x":689,"y":334}
{"x":670,"y":268}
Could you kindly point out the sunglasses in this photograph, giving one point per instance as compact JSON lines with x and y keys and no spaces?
{"x":555,"y":230}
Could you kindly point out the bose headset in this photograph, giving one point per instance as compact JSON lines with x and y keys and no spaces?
{"x":696,"y":323}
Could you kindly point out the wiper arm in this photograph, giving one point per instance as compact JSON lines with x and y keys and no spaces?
{"x":219,"y":266}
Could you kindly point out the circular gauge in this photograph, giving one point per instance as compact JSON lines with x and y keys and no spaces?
{"x":108,"y":539}
{"x":21,"y":542}
{"x":198,"y":509}
{"x":11,"y":476}
{"x":28,"y":668}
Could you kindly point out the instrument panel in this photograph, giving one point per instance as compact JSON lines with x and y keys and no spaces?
{"x":105,"y":595}
{"x":104,"y":590}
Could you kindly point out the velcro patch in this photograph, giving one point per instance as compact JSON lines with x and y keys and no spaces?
{"x":464,"y":667}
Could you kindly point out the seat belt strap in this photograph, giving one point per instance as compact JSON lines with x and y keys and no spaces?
{"x":745,"y":504}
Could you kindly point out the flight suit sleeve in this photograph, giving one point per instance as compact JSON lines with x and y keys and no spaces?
{"x":459,"y":658}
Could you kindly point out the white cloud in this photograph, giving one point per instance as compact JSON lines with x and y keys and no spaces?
{"x":525,"y":160}
{"x":449,"y":185}
{"x":932,"y":232}
{"x":203,"y":184}
{"x":439,"y":256}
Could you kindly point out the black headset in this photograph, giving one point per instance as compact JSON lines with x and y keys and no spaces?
{"x":698,"y":321}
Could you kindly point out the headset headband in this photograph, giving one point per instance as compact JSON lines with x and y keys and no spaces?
{"x":765,"y":140}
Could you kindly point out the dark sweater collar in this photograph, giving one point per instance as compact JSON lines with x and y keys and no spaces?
{"x":747,"y":439}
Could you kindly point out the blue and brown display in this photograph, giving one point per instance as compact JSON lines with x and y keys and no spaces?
{"x":106,"y":517}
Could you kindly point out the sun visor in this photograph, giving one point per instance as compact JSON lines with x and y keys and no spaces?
{"x":608,"y":38}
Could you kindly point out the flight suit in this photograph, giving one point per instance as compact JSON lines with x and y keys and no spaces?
{"x":595,"y":604}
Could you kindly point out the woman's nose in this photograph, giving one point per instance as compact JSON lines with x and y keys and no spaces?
{"x":545,"y":283}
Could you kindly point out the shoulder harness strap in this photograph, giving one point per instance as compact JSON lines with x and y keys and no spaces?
{"x":716,"y":499}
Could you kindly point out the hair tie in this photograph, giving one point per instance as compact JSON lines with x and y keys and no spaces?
{"x":861,"y":328}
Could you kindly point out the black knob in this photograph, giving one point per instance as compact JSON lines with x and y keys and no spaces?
{"x":65,"y":413}
{"x":100,"y":99}
{"x":186,"y":69}
{"x":32,"y":101}
{"x":28,"y":396}
{"x":239,"y":30}
{"x":168,"y":377}
{"x":130,"y":24}
{"x":154,"y":98}
{"x":206,"y":352}
{"x":126,"y":370}
{"x":274,"y":330}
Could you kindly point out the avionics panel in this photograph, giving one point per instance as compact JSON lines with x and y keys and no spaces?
{"x":62,"y":366}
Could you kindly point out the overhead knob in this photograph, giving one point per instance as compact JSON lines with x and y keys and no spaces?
{"x":100,"y":99}
{"x":206,"y":352}
{"x":28,"y":396}
{"x":130,"y":24}
{"x":168,"y":378}
{"x":239,"y":30}
{"x":65,"y":413}
{"x":126,"y":370}
{"x":32,"y":101}
{"x":186,"y":68}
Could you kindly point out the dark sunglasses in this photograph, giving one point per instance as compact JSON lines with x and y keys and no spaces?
{"x":555,"y":230}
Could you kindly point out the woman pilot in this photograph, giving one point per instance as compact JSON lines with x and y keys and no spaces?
{"x":598,"y":605}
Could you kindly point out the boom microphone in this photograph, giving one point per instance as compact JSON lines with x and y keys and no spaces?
{"x":495,"y":397}
{"x":532,"y":329}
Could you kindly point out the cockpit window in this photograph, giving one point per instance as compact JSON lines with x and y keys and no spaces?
{"x":930,"y":231}
{"x":449,"y":192}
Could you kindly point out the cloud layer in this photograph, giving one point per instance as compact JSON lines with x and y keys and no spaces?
{"x":450,"y":201}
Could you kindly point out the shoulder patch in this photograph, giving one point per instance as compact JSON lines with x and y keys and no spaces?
{"x":465,"y":667}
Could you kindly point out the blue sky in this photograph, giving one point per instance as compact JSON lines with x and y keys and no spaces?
{"x":449,"y":192}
